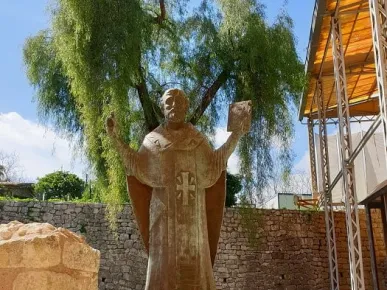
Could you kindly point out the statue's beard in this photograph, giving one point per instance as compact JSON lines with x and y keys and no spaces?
{"x":174,"y":117}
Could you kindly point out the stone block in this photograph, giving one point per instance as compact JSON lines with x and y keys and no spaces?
{"x":47,"y":280}
{"x":80,"y":256}
{"x":39,"y":256}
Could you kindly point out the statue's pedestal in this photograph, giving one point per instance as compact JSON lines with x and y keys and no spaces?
{"x":41,"y":257}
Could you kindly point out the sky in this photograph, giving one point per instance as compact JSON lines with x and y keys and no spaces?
{"x":39,"y":148}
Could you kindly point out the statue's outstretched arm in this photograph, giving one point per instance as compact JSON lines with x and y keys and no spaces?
{"x":128,"y":155}
{"x":223,"y":153}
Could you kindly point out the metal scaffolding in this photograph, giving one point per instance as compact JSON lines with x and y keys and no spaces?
{"x":361,"y":97}
{"x":351,"y":208}
{"x":378,"y":14}
{"x":312,"y":158}
{"x":326,"y":195}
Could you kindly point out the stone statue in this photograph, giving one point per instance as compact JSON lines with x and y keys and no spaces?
{"x":176,"y":183}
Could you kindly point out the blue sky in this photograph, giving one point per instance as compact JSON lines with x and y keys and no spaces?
{"x":19,"y":129}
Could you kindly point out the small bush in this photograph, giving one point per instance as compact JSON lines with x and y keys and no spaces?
{"x":59,"y":185}
{"x":233,"y":187}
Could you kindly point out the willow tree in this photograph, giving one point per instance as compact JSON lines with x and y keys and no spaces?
{"x":100,"y":56}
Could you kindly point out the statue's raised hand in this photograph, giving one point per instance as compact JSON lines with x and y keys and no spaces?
{"x":239,"y":118}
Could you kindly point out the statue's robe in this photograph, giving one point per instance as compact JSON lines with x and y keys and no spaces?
{"x":177,"y":186}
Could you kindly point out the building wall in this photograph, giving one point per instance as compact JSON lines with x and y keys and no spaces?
{"x":258,"y":249}
{"x":286,"y":200}
{"x":21,"y":190}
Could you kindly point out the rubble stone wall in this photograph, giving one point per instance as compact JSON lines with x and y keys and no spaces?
{"x":258,"y":249}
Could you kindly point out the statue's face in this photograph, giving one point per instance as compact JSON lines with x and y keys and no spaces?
{"x":175,"y":108}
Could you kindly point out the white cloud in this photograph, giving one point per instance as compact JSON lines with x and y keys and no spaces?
{"x":219,"y":139}
{"x":39,"y":148}
{"x":303,"y":165}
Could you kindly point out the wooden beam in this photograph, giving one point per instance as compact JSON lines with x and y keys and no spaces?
{"x":384,"y":220}
{"x":370,"y":234}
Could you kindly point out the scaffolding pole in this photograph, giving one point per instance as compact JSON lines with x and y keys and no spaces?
{"x":351,"y":207}
{"x":378,"y":14}
{"x":358,"y":149}
{"x":312,"y":158}
{"x":326,"y":194}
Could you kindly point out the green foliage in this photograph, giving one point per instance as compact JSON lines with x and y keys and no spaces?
{"x":54,"y":99}
{"x":59,"y":185}
{"x":233,"y":187}
{"x":83,"y":229}
{"x":100,"y":56}
{"x":11,"y":198}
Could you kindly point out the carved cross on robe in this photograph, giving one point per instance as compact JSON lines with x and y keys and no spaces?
{"x":185,"y":184}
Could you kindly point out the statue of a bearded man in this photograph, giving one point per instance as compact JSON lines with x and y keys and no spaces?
{"x":176,"y":183}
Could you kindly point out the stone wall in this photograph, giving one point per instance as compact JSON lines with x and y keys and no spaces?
{"x":258,"y":249}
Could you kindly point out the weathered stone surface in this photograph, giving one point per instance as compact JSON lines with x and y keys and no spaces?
{"x":31,"y":245}
{"x":47,"y":280}
{"x":6,"y":277}
{"x":80,"y":257}
{"x":176,"y":182}
{"x":39,"y":256}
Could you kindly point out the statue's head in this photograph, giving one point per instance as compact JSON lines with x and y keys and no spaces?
{"x":175,"y":105}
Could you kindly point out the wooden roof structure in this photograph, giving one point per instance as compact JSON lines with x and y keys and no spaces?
{"x":359,"y":59}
